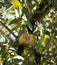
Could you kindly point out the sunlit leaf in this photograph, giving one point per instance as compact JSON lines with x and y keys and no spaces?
{"x":45,"y":40}
{"x":17,"y":4}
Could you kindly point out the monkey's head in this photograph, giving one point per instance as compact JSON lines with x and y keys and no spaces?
{"x":26,"y":39}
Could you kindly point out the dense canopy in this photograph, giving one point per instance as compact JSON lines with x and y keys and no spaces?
{"x":15,"y":16}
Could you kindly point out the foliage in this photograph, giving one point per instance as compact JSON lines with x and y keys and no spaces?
{"x":14,"y":16}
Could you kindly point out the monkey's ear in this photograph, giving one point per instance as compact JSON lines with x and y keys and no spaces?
{"x":26,"y":39}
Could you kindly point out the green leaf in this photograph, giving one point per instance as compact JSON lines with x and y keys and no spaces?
{"x":47,"y":46}
{"x":24,"y":29}
{"x":55,"y":4}
{"x":14,"y":21}
{"x":19,"y":33}
{"x":7,"y":3}
{"x":25,"y":11}
{"x":28,"y":24}
{"x":17,"y":4}
{"x":45,"y":40}
{"x":37,"y":44}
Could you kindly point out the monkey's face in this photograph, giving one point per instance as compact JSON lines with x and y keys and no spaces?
{"x":26,"y":39}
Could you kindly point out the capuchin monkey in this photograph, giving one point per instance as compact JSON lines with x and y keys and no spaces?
{"x":21,"y":46}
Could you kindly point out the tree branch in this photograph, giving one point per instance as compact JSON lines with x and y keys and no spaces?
{"x":1,"y":21}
